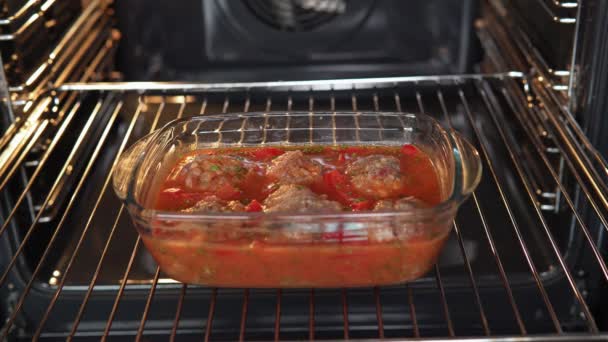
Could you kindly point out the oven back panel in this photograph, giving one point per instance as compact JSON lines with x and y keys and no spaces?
{"x":219,"y":40}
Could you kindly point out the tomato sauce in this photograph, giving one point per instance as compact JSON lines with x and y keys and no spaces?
{"x":345,"y":178}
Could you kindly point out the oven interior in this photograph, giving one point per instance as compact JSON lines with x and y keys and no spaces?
{"x":521,"y":79}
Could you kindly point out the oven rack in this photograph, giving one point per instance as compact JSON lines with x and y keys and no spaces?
{"x":522,"y":44}
{"x":524,"y":261}
{"x":89,"y":30}
{"x":19,"y":13}
{"x":552,"y":8}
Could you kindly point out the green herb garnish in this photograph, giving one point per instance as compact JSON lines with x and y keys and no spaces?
{"x":214,"y":167}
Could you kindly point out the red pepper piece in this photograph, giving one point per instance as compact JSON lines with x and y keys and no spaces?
{"x":266,"y":153}
{"x":253,"y":206}
{"x":334,"y":178}
{"x":177,"y":199}
{"x":409,"y":150}
{"x":340,"y":189}
{"x":337,"y":183}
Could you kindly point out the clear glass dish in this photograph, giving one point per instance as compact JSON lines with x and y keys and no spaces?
{"x":293,"y":249}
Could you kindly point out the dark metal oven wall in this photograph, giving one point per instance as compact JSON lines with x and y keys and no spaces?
{"x":217,"y":40}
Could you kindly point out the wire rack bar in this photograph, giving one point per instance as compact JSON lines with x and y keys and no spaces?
{"x":565,"y":193}
{"x":144,"y":316}
{"x":210,"y":314}
{"x":467,"y":264}
{"x":244,"y":315}
{"x":554,"y":16}
{"x":500,"y":267}
{"x":277,"y":316}
{"x":312,"y":85}
{"x":344,"y":295}
{"x":180,"y":304}
{"x":520,"y":238}
{"x":410,"y":302}
{"x":571,"y":141}
{"x":121,"y":290}
{"x":19,"y":13}
{"x":423,"y":100}
{"x":558,"y":254}
{"x":98,"y":148}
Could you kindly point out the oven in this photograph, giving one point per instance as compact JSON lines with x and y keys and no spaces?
{"x":524,"y":80}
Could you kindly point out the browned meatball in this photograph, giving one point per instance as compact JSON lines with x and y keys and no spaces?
{"x":406,"y":203}
{"x":208,"y":173}
{"x":293,"y":167}
{"x":376,"y":176}
{"x":213,"y":204}
{"x":297,"y":198}
{"x":212,"y":230}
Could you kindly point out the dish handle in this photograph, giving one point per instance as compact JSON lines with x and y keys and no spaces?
{"x":468,"y":167}
{"x":128,"y":164}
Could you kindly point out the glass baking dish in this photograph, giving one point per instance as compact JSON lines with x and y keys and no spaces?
{"x":286,"y":249}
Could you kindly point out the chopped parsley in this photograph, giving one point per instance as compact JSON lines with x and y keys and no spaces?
{"x":214,"y":167}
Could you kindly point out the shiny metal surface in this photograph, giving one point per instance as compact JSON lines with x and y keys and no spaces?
{"x":511,"y":27}
{"x":310,"y":85}
{"x":19,"y":13}
{"x":463,"y":102}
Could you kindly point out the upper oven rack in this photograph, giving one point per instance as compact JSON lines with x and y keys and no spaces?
{"x":66,"y":56}
{"x":21,"y":12}
{"x":475,"y":105}
{"x":562,"y":24}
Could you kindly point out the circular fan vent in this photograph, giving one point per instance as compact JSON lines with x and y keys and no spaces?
{"x":296,"y":15}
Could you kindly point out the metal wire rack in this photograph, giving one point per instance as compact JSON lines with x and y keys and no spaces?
{"x":550,"y":6}
{"x":19,"y":13}
{"x":524,"y":262}
{"x":565,"y":19}
{"x":59,"y":58}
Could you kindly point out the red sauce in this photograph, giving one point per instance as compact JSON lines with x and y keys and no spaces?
{"x":357,"y":178}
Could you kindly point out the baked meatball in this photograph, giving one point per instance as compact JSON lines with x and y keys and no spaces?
{"x":376,"y":176}
{"x":209,"y":173}
{"x":293,"y":167}
{"x":297,"y":198}
{"x":213,"y":204}
{"x":406,"y":203}
{"x":402,"y":229}
{"x":210,"y":230}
